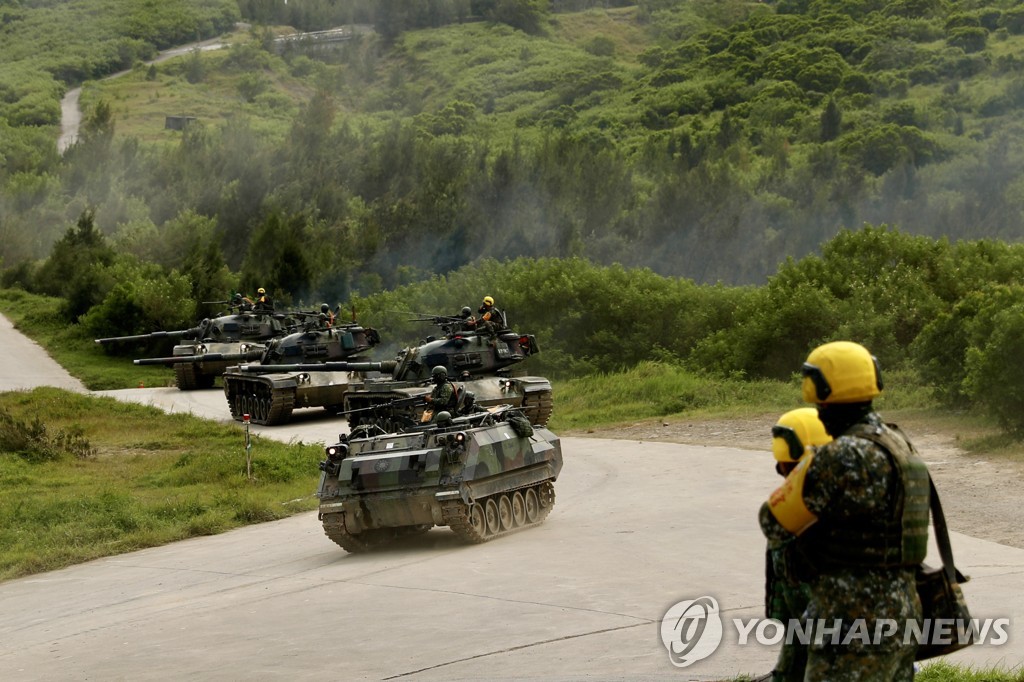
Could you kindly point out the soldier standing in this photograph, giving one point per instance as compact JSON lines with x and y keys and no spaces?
{"x":795,"y":437}
{"x":853,"y":519}
{"x":326,"y":316}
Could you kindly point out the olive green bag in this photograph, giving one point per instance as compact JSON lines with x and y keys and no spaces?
{"x":940,"y":593}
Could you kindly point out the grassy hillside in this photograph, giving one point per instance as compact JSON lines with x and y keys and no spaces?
{"x":700,"y":139}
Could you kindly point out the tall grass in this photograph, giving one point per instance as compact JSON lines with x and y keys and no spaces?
{"x":654,"y":389}
{"x":150,"y":478}
{"x":664,"y":390}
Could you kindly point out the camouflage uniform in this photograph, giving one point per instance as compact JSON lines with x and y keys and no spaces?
{"x":853,"y":486}
{"x":491,"y":320}
{"x":443,"y":397}
{"x":263,"y":304}
{"x":787,"y":599}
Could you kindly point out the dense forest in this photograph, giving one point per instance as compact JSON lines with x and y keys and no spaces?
{"x":708,"y":140}
{"x":716,"y":183}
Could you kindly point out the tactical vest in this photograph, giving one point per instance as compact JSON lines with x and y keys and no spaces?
{"x":902,"y":539}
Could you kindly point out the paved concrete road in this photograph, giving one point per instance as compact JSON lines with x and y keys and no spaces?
{"x":25,"y":365}
{"x":636,"y":528}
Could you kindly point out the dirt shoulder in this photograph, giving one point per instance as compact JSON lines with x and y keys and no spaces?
{"x":980,"y":495}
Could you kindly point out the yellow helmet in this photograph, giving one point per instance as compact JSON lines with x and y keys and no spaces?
{"x":841,"y":372}
{"x":261,"y":290}
{"x":488,"y":300}
{"x":796,"y":433}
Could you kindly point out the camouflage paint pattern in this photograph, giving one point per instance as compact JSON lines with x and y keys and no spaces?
{"x":391,"y":480}
{"x":850,"y":478}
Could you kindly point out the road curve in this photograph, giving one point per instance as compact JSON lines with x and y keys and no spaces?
{"x":637,"y":527}
{"x":71,"y":112}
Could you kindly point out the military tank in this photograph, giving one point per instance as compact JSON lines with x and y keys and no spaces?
{"x":390,"y":393}
{"x":270,"y":396}
{"x":226,"y":341}
{"x":198,"y":361}
{"x":483,"y":475}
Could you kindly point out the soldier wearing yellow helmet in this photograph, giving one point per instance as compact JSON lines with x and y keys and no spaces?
{"x":263,"y":303}
{"x":795,"y":438}
{"x":854,"y":521}
{"x":491,"y":319}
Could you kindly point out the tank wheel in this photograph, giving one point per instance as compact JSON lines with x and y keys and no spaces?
{"x":505,"y":513}
{"x":260,"y":401}
{"x":546,"y":497}
{"x":491,"y":516}
{"x":518,"y":509}
{"x":334,"y":528}
{"x":185,"y":376}
{"x":477,"y":521}
{"x":353,"y":543}
{"x":532,"y":506}
{"x":538,"y":407}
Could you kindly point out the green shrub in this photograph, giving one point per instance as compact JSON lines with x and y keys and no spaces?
{"x":33,"y":442}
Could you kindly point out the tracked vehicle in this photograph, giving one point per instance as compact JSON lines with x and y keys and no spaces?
{"x":483,"y":475}
{"x":199,"y":360}
{"x":478,"y":364}
{"x":270,"y":396}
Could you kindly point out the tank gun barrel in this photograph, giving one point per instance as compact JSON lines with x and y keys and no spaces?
{"x":387,"y":366}
{"x":176,"y":334}
{"x":247,"y":356}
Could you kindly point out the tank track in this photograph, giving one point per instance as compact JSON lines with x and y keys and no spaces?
{"x":259,"y":400}
{"x":187,"y":379}
{"x":457,"y":514}
{"x":334,"y":528}
{"x":538,"y":407}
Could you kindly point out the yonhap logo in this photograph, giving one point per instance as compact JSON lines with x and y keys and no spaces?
{"x":691,"y":630}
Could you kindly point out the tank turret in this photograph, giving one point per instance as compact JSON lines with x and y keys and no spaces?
{"x":215,"y":344}
{"x":271,"y":392}
{"x":483,"y":475}
{"x":479,"y":364}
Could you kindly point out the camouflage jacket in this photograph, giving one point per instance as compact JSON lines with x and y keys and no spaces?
{"x":443,"y":397}
{"x":850,"y":479}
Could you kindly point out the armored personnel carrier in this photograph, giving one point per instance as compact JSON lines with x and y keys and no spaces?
{"x":483,"y":475}
{"x":479,"y":364}
{"x":270,"y":396}
{"x":198,"y":360}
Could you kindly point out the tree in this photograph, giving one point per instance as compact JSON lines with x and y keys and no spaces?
{"x":831,"y":121}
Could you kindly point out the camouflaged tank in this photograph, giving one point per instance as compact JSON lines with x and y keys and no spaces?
{"x":391,"y":394}
{"x":480,"y":366}
{"x":483,"y":475}
{"x":199,"y":361}
{"x":270,"y":397}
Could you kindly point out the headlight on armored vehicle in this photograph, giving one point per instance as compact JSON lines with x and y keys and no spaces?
{"x":336,"y":452}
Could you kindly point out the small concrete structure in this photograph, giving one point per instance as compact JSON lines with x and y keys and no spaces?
{"x":178,"y":122}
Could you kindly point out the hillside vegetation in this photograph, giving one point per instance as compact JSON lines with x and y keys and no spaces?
{"x":596,"y":169}
{"x":701,"y":139}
